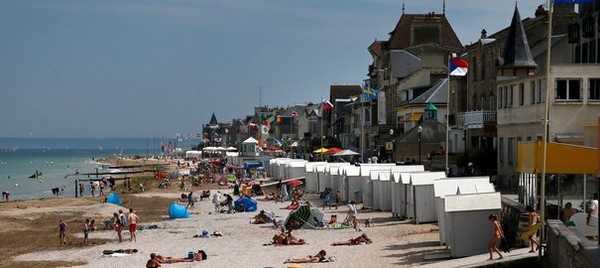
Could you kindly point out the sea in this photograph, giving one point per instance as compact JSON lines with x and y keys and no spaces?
{"x":59,"y":159}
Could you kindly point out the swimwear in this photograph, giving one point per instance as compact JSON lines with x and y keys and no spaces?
{"x":132,"y":227}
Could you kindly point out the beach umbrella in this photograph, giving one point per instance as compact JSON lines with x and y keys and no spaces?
{"x":334,"y":150}
{"x":320,"y":151}
{"x":294,"y":183}
{"x":273,"y":148}
{"x":346,"y":153}
{"x":304,"y":217}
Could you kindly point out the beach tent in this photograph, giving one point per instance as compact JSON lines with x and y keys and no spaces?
{"x":113,"y":198}
{"x":467,"y":223}
{"x":450,"y":186}
{"x":348,"y":173}
{"x":177,"y":211}
{"x":422,"y":205}
{"x":245,"y":204}
{"x":304,"y":217}
{"x":311,"y":176}
{"x":295,"y":169}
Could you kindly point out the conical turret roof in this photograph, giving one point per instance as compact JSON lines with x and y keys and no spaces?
{"x":516,"y":50}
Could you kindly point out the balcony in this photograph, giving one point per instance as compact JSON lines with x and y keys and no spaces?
{"x":476,"y":119}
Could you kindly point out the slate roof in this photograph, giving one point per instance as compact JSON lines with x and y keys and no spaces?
{"x":401,"y":36}
{"x":516,"y":50}
{"x":437,"y":93}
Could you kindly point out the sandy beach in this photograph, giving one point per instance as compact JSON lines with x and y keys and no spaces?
{"x":396,"y":243}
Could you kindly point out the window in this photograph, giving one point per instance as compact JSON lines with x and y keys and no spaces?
{"x":594,"y":84}
{"x":482,"y":103}
{"x":510,"y":149}
{"x":501,"y":150}
{"x":568,"y":89}
{"x":510,"y":96}
{"x":540,"y":92}
{"x":521,"y":94}
{"x":483,"y":65}
{"x":492,"y":105}
{"x":500,"y":96}
{"x":532,"y":90}
{"x":474,"y":62}
{"x":593,"y":51}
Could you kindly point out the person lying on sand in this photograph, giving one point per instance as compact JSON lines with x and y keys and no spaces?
{"x":126,"y":251}
{"x":362,"y":239}
{"x":309,"y":259}
{"x":285,"y":238}
{"x":260,"y":218}
{"x":198,"y":256}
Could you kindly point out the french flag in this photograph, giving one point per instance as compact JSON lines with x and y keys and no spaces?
{"x":458,"y":66}
{"x":327,"y":105}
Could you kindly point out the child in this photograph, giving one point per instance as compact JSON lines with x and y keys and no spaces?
{"x":62,"y":232}
{"x":86,"y":229}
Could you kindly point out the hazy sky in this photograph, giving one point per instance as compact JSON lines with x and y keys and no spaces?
{"x":120,"y":68}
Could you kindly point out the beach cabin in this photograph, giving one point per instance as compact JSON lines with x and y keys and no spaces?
{"x":250,"y":147}
{"x":370,"y":190}
{"x":335,"y":176}
{"x":277,"y":171}
{"x":365,"y":174}
{"x":350,"y":184}
{"x":311,"y":176}
{"x":467,"y":224}
{"x":332,"y":170}
{"x":295,"y":169}
{"x":422,"y":205}
{"x":322,"y":176}
{"x":450,"y":186}
{"x":395,"y":185}
{"x":382,"y":192}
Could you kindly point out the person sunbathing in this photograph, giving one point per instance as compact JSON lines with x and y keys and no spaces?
{"x":260,"y":218}
{"x":198,"y":256}
{"x":362,"y":239}
{"x":309,"y":259}
{"x":125,"y":251}
{"x":292,"y":240}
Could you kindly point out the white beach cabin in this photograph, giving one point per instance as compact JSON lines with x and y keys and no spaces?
{"x":395,"y":185}
{"x":450,"y":186}
{"x":469,"y":230}
{"x":351,"y":184}
{"x":311,"y":176}
{"x":365,"y":174}
{"x":422,"y":205}
{"x":381,"y":191}
{"x":295,"y":169}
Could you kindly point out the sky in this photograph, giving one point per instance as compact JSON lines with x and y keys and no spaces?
{"x":143,"y":68}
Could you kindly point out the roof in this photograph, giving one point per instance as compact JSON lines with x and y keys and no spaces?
{"x":310,"y":166}
{"x":366,"y":168}
{"x":384,"y":176}
{"x":296,"y":163}
{"x":426,"y":178}
{"x":299,"y":109}
{"x":351,"y":170}
{"x":472,"y":202}
{"x":213,"y":120}
{"x":374,"y":174}
{"x":450,"y":186}
{"x":250,"y":140}
{"x":408,"y":168}
{"x":516,"y":50}
{"x":376,"y":47}
{"x":437,"y":93}
{"x":402,"y":35}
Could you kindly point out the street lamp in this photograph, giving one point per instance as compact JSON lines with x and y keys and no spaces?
{"x":420,"y":129}
{"x":392,"y":143}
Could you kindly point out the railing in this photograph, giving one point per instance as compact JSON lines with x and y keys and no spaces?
{"x":475,"y":119}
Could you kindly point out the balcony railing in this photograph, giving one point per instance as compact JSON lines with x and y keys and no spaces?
{"x":475,"y":119}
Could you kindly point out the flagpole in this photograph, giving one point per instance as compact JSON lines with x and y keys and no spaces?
{"x":448,"y":121}
{"x":322,"y":112}
{"x":545,"y":134}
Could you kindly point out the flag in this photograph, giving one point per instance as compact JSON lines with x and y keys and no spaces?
{"x":369,"y":93}
{"x":458,"y":66}
{"x":326,"y":105}
{"x":559,"y":2}
{"x":294,"y":113}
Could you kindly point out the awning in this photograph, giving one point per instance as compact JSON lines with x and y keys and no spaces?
{"x":560,"y":158}
{"x":415,"y":117}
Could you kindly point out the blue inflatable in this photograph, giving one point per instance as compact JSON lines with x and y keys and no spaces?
{"x":177,"y":211}
{"x":245,"y":204}
{"x":113,"y":199}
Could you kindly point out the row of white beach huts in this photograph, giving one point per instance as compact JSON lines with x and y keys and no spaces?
{"x":460,"y":205}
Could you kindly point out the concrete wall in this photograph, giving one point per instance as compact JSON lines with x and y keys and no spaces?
{"x":567,"y":248}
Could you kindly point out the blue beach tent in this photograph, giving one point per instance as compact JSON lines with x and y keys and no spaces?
{"x":177,"y":211}
{"x":246,"y":204}
{"x":113,"y":198}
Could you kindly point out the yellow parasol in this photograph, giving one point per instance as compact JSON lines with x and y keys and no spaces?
{"x":321,"y":151}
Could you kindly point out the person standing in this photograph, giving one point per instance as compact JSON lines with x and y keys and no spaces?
{"x":62,"y":232}
{"x":81,"y":189}
{"x":116,"y":224}
{"x":216,"y":200}
{"x":497,"y":235}
{"x":532,"y":220}
{"x":190,"y":200}
{"x":567,"y":212}
{"x":86,"y":230}
{"x":592,"y":211}
{"x":133,"y":220}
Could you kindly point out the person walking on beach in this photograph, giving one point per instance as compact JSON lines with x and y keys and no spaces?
{"x":86,"y":230}
{"x":592,"y":210}
{"x":81,"y":189}
{"x":190,"y":200}
{"x":216,"y":200}
{"x":532,"y":220}
{"x":133,"y":220}
{"x":497,"y":235}
{"x":62,"y":232}
{"x":93,"y":188}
